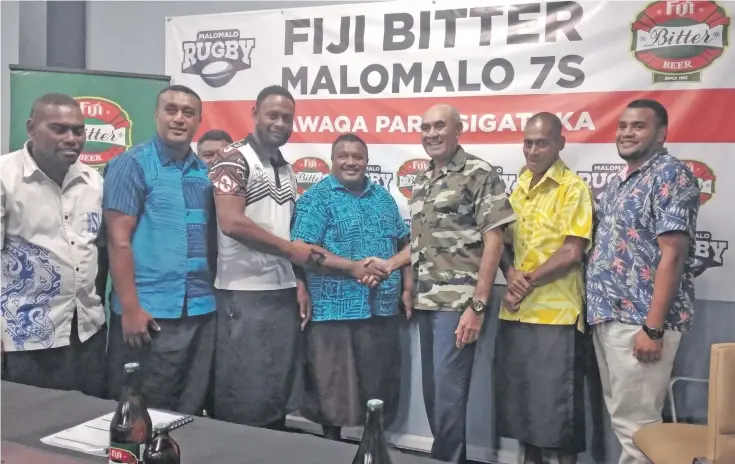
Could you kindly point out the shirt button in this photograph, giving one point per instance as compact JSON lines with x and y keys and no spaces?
{"x":66,"y":217}
{"x":72,"y":242}
{"x":77,"y":269}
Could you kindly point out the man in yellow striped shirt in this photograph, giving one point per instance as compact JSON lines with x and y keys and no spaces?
{"x":539,"y":379}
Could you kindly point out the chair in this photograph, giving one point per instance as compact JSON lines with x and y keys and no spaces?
{"x":713,"y":443}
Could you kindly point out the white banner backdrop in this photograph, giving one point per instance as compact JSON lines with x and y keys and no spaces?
{"x":373,"y":69}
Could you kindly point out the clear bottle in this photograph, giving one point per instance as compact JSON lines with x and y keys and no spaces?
{"x":373,"y":447}
{"x":163,"y":449}
{"x":130,"y":428}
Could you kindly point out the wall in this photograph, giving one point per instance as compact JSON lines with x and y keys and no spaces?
{"x":106,"y":51}
{"x":9,"y":30}
{"x":114,"y":42}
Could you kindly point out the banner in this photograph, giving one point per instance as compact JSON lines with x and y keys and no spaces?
{"x":118,"y":107}
{"x":373,"y":69}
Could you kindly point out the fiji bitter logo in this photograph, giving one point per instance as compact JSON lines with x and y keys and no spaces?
{"x":408,"y":173}
{"x":216,"y":56}
{"x":108,"y":127}
{"x":680,"y":38}
{"x":309,"y":172}
{"x":705,"y":177}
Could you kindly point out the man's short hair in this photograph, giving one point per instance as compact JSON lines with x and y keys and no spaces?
{"x":352,"y":138}
{"x":273,"y":90}
{"x":658,"y":109}
{"x":55,"y":99}
{"x":214,"y":135}
{"x":179,"y":88}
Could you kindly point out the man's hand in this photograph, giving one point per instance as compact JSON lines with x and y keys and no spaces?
{"x":379,"y":270}
{"x":304,"y":300}
{"x":645,"y":349}
{"x":468,"y":329}
{"x":519,"y":283}
{"x":370,"y":271}
{"x":135,"y":326}
{"x":299,"y":253}
{"x":512,"y":302}
{"x":407,"y":299}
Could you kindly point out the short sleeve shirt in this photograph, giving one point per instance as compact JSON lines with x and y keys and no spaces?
{"x":172,"y":200}
{"x":661,"y":196}
{"x":352,"y":227}
{"x":451,"y":209}
{"x":269,"y":189}
{"x":558,"y":206}
{"x":50,"y":238}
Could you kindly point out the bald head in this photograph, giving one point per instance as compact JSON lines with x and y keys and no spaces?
{"x":550,"y":121}
{"x":440,"y":130}
{"x":442,"y":111}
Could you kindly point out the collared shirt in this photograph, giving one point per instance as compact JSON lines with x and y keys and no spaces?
{"x":451,"y":209}
{"x":352,"y":227}
{"x":172,"y":200}
{"x":558,"y":206}
{"x":269,"y":189}
{"x":661,"y":196}
{"x":49,"y":241}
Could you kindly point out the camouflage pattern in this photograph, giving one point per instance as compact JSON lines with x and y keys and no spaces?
{"x":451,"y":209}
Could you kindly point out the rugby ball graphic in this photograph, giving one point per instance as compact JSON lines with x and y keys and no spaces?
{"x":218,"y":73}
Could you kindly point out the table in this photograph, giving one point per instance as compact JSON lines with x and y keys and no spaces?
{"x":30,"y":413}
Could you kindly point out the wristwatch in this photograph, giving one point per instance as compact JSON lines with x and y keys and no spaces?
{"x":653,"y":334}
{"x":478,"y":306}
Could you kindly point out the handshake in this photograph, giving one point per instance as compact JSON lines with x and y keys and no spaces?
{"x":371,"y":271}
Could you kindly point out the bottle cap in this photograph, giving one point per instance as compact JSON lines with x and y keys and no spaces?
{"x":131,"y":367}
{"x":375,"y":405}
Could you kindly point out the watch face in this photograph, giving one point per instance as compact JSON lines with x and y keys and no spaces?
{"x":478,"y":306}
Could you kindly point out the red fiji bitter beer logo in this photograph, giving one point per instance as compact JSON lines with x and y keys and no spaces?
{"x":309,"y":171}
{"x":108,"y":127}
{"x":408,"y":173}
{"x":678,"y":39}
{"x":705,"y":177}
{"x":122,"y":456}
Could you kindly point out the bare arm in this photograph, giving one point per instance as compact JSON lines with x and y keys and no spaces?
{"x":674,"y":249}
{"x":234,"y":224}
{"x":122,"y":267}
{"x":560,"y":262}
{"x":491,"y":253}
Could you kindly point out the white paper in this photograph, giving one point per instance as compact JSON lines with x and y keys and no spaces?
{"x":93,"y":437}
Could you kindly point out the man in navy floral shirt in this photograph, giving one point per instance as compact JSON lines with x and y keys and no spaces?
{"x":640,"y":289}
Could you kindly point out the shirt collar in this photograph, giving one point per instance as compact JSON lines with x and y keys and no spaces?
{"x":30,"y":168}
{"x":455,"y":164}
{"x":337,"y":185}
{"x":625,"y":174}
{"x":555,"y":172}
{"x":164,"y":154}
{"x":277,"y":162}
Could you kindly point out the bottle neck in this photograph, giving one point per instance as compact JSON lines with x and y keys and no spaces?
{"x":130,"y":384}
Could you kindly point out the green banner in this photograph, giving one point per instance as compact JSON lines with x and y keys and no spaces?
{"x":118,"y":107}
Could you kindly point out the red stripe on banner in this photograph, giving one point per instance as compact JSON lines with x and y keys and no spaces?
{"x":695,"y":116}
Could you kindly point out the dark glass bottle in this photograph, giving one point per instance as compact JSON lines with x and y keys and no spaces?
{"x":130,"y":428}
{"x":373,"y":447}
{"x":163,"y":449}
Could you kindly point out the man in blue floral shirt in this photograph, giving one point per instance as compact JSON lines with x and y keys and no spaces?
{"x":352,"y":343}
{"x":640,"y":289}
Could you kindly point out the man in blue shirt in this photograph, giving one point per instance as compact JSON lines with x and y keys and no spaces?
{"x":352,"y":345}
{"x":157,"y":201}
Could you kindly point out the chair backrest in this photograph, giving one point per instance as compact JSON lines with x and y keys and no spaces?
{"x":721,"y":404}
